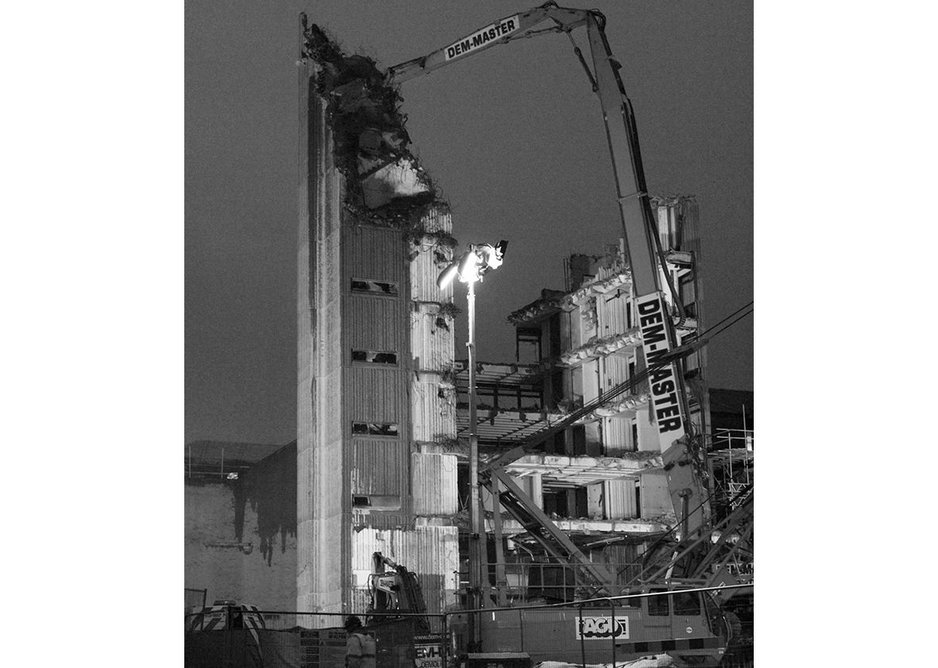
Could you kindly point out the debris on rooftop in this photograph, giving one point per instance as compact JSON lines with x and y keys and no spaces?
{"x":385,"y":183}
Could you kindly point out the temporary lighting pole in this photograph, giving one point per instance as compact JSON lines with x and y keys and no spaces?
{"x":475,"y":516}
{"x":470,"y":267}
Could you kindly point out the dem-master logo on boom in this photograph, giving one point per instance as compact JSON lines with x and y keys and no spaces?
{"x":663,"y":382}
{"x":480,"y":38}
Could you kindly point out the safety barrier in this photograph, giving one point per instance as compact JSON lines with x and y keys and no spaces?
{"x":244,"y":637}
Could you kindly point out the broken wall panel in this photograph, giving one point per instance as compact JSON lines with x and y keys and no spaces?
{"x":431,"y":338}
{"x":434,"y":417}
{"x":431,"y":250}
{"x":434,"y":484}
{"x":612,"y":310}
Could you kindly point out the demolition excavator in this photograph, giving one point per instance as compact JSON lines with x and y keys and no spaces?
{"x":693,"y":570}
{"x":699,"y":553}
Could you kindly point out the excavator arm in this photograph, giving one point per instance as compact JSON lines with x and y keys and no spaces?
{"x":521,"y":24}
{"x":666,"y":385}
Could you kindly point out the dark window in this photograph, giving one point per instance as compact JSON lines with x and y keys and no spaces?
{"x":638,"y":499}
{"x":374,"y":357}
{"x":634,"y":435}
{"x":686,"y":603}
{"x":528,"y":344}
{"x":360,"y":501}
{"x":374,"y":287}
{"x":374,"y":429}
{"x":529,"y":399}
{"x":579,"y":439}
{"x":658,"y":605}
{"x":628,"y":314}
{"x":553,"y":336}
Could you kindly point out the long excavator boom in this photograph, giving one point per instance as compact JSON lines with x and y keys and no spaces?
{"x":520,"y":24}
{"x":666,"y":384}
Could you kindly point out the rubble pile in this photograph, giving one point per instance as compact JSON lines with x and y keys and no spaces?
{"x":385,"y":184}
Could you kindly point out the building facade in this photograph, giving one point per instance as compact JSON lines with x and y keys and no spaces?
{"x":376,"y":406}
{"x":601,"y":478}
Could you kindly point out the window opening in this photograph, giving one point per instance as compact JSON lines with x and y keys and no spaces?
{"x":374,"y":357}
{"x":686,"y":603}
{"x":374,"y":429}
{"x":374,"y":287}
{"x":658,"y":606}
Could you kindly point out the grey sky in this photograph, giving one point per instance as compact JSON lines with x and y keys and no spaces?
{"x":513,"y":137}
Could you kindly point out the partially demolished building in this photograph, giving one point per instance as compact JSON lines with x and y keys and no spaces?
{"x":601,"y":477}
{"x":375,"y":398}
{"x":381,"y":462}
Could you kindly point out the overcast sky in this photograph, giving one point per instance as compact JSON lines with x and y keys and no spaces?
{"x":513,"y":137}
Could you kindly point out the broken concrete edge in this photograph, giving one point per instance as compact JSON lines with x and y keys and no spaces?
{"x":385,"y":184}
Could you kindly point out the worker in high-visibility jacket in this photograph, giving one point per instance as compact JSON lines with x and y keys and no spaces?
{"x":360,"y":649}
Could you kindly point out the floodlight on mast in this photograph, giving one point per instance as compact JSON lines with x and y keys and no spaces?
{"x":470,"y":267}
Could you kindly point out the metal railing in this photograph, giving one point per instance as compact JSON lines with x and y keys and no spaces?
{"x":547,"y":581}
{"x":725,"y":439}
{"x":318,"y":639}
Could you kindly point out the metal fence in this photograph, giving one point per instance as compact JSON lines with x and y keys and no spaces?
{"x":235,"y":638}
{"x":241,"y":638}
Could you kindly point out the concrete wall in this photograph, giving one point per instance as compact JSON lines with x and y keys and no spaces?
{"x":239,"y":543}
{"x":322,"y":502}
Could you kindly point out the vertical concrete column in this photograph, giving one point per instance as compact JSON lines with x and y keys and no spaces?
{"x":537,"y":490}
{"x":323,"y":558}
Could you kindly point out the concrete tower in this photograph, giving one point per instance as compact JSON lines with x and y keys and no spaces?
{"x":376,"y":404}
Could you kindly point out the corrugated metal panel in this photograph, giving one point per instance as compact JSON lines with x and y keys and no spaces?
{"x":612,"y":311}
{"x":619,"y":499}
{"x":431,"y":552}
{"x":434,"y":484}
{"x":424,"y":270}
{"x":615,"y":370}
{"x":378,"y":324}
{"x":437,"y":221}
{"x":431,"y":344}
{"x":377,"y":395}
{"x":616,"y":434}
{"x":375,"y":253}
{"x":434,"y":418}
{"x":379,"y":466}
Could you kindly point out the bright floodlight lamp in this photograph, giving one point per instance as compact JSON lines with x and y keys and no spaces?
{"x":471,"y":266}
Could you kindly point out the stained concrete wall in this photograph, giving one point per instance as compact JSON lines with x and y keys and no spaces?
{"x":322,"y":502}
{"x":240,"y":535}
